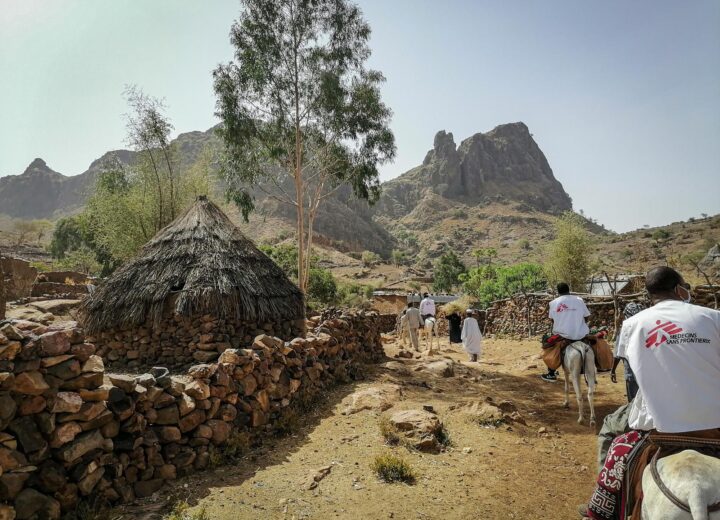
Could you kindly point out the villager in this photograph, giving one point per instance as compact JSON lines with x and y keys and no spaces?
{"x":402,"y":328}
{"x":413,"y":324}
{"x":568,"y":314}
{"x":674,"y":349}
{"x":631,"y":387}
{"x":427,"y":307}
{"x":454,"y":327}
{"x":471,"y":336}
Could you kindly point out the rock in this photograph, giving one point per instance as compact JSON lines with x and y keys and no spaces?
{"x":221,"y":431}
{"x":7,"y":512}
{"x":56,"y":307}
{"x":482,"y":413}
{"x":542,"y":430}
{"x":467,"y":450}
{"x":64,"y":433}
{"x":146,"y":488}
{"x":80,"y":446}
{"x":11,"y":484}
{"x":315,"y":477}
{"x":30,"y":383}
{"x":55,"y":360}
{"x":125,"y":383}
{"x":420,"y":428}
{"x":87,"y":484}
{"x":69,"y":402}
{"x":88,"y":411}
{"x":203,"y":371}
{"x":441,"y":367}
{"x":232,"y":356}
{"x":186,"y":404}
{"x":86,"y":381}
{"x":249,"y":384}
{"x":168,"y":434}
{"x":32,"y":404}
{"x":54,"y":343}
{"x":161,"y":375}
{"x":168,"y":415}
{"x":82,"y":351}
{"x":11,"y":459}
{"x":27,"y":434}
{"x":191,"y":421}
{"x":33,"y":504}
{"x":9,"y":351}
{"x":99,"y":394}
{"x":145,"y":380}
{"x":11,"y":332}
{"x":94,"y":364}
{"x":197,"y":390}
{"x":378,"y":398}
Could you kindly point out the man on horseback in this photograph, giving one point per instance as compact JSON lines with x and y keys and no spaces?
{"x":427,"y":308}
{"x":568,"y":314}
{"x":674,"y":350}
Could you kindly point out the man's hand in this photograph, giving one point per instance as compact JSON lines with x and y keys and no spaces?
{"x":613,"y":377}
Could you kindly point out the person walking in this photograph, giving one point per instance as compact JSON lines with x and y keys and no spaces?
{"x":413,"y":324}
{"x":454,"y":327}
{"x":471,"y":336}
{"x":427,"y":308}
{"x":631,"y":386}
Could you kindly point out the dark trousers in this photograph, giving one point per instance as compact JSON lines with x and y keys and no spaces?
{"x":631,"y":388}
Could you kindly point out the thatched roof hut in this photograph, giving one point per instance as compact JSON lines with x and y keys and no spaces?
{"x":199,"y":264}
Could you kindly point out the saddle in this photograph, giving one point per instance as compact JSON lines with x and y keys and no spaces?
{"x":653,"y":446}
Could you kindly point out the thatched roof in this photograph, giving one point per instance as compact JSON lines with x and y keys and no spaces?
{"x":203,"y":262}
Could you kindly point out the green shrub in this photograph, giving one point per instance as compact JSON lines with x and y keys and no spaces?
{"x":181,"y":511}
{"x":391,"y":468}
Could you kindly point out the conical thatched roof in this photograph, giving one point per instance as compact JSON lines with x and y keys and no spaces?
{"x":207,"y":265}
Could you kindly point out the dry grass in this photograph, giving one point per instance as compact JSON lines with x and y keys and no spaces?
{"x":391,"y":468}
{"x":181,"y":511}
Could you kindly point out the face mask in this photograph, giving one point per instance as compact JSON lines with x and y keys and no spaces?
{"x":688,"y":299}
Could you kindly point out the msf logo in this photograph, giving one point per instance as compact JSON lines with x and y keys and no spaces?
{"x":661,"y":333}
{"x":562,"y":307}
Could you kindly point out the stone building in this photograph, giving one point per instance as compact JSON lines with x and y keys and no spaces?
{"x":197,"y":288}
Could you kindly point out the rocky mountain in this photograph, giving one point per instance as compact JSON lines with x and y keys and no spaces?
{"x":503,"y":166}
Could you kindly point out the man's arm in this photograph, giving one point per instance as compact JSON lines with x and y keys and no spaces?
{"x":616,"y":362}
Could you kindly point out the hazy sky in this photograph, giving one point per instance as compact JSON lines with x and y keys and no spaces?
{"x":623,"y":97}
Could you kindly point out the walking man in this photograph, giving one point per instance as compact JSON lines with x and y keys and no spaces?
{"x":471,"y":336}
{"x":568,"y":314}
{"x":413,"y":324}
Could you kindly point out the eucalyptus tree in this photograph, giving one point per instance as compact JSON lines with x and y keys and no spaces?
{"x":301,"y":113}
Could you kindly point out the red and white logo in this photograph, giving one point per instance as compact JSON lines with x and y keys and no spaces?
{"x":661,"y":333}
{"x":562,"y":307}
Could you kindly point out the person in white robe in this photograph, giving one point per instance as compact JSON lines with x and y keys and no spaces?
{"x":471,"y":336}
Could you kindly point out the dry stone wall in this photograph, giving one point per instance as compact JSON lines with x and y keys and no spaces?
{"x":180,"y":341}
{"x":69,"y":431}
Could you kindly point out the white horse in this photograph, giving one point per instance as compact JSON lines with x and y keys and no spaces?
{"x":691,"y":479}
{"x":430,"y":331}
{"x":576,"y":355}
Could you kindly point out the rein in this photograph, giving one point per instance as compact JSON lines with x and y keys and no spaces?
{"x":669,"y":494}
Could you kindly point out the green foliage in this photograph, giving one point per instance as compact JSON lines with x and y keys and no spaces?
{"x":488,"y":283}
{"x":660,"y":234}
{"x":391,"y":468}
{"x":73,"y":242}
{"x":525,"y":244}
{"x":569,"y":254}
{"x":83,"y":260}
{"x":285,"y":256}
{"x":398,"y":257}
{"x":485,"y":255}
{"x":354,"y":295}
{"x":459,"y":213}
{"x":369,"y":258}
{"x":322,"y":286}
{"x":447,"y":272}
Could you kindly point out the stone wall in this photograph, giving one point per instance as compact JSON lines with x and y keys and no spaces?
{"x":510,"y":316}
{"x":180,"y":340}
{"x":73,"y":277}
{"x":65,"y":435}
{"x":58,"y":290}
{"x":19,"y":278}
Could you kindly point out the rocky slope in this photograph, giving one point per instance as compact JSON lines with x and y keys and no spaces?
{"x":503,"y":166}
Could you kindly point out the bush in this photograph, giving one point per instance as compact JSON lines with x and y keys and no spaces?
{"x":181,"y":511}
{"x":369,"y":258}
{"x":447,"y":272}
{"x":389,"y":432}
{"x":661,"y":234}
{"x":322,"y":286}
{"x":391,"y":468}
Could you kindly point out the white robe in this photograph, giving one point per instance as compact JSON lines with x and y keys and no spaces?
{"x":471,"y":336}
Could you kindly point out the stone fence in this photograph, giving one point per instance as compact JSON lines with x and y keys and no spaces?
{"x":69,"y":431}
{"x":527,"y":315}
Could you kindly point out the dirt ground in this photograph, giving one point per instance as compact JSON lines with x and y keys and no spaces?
{"x":540,"y":470}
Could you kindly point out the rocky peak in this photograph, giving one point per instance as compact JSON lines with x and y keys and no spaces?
{"x":37,"y":166}
{"x":443,"y":147}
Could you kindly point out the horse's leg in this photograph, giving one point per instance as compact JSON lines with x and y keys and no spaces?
{"x":578,"y":389}
{"x":590,"y":373}
{"x":566,"y":403}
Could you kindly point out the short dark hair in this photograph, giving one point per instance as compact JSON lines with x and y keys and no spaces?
{"x":426,"y":295}
{"x":662,"y":279}
{"x":563,"y":288}
{"x":410,"y":304}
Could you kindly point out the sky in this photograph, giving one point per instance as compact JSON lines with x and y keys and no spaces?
{"x":622,"y":97}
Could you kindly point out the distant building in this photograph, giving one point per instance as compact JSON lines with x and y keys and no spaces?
{"x":624,"y":284}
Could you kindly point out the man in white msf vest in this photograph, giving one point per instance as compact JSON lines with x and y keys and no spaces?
{"x":568,"y":314}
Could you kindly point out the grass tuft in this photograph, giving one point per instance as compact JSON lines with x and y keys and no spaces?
{"x":390,"y":468}
{"x":181,"y":511}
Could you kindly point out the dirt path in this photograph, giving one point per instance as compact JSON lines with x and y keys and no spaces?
{"x":543,"y":469}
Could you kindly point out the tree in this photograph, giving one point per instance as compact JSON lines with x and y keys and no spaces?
{"x":489,"y":283}
{"x":485,"y":255}
{"x":301,"y":114}
{"x":569,"y":253}
{"x":369,"y":258}
{"x":447,"y":272}
{"x":695,"y":260}
{"x":398,"y":257}
{"x":23,"y":229}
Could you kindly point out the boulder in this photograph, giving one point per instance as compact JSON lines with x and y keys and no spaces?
{"x":54,"y":343}
{"x":33,"y":504}
{"x":377,"y":398}
{"x":30,"y":383}
{"x":420,"y":428}
{"x":69,"y":402}
{"x":441,"y":367}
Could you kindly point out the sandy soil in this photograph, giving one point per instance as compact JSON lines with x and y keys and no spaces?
{"x":541,"y":470}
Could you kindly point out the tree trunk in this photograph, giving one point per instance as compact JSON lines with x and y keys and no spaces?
{"x":300,"y":199}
